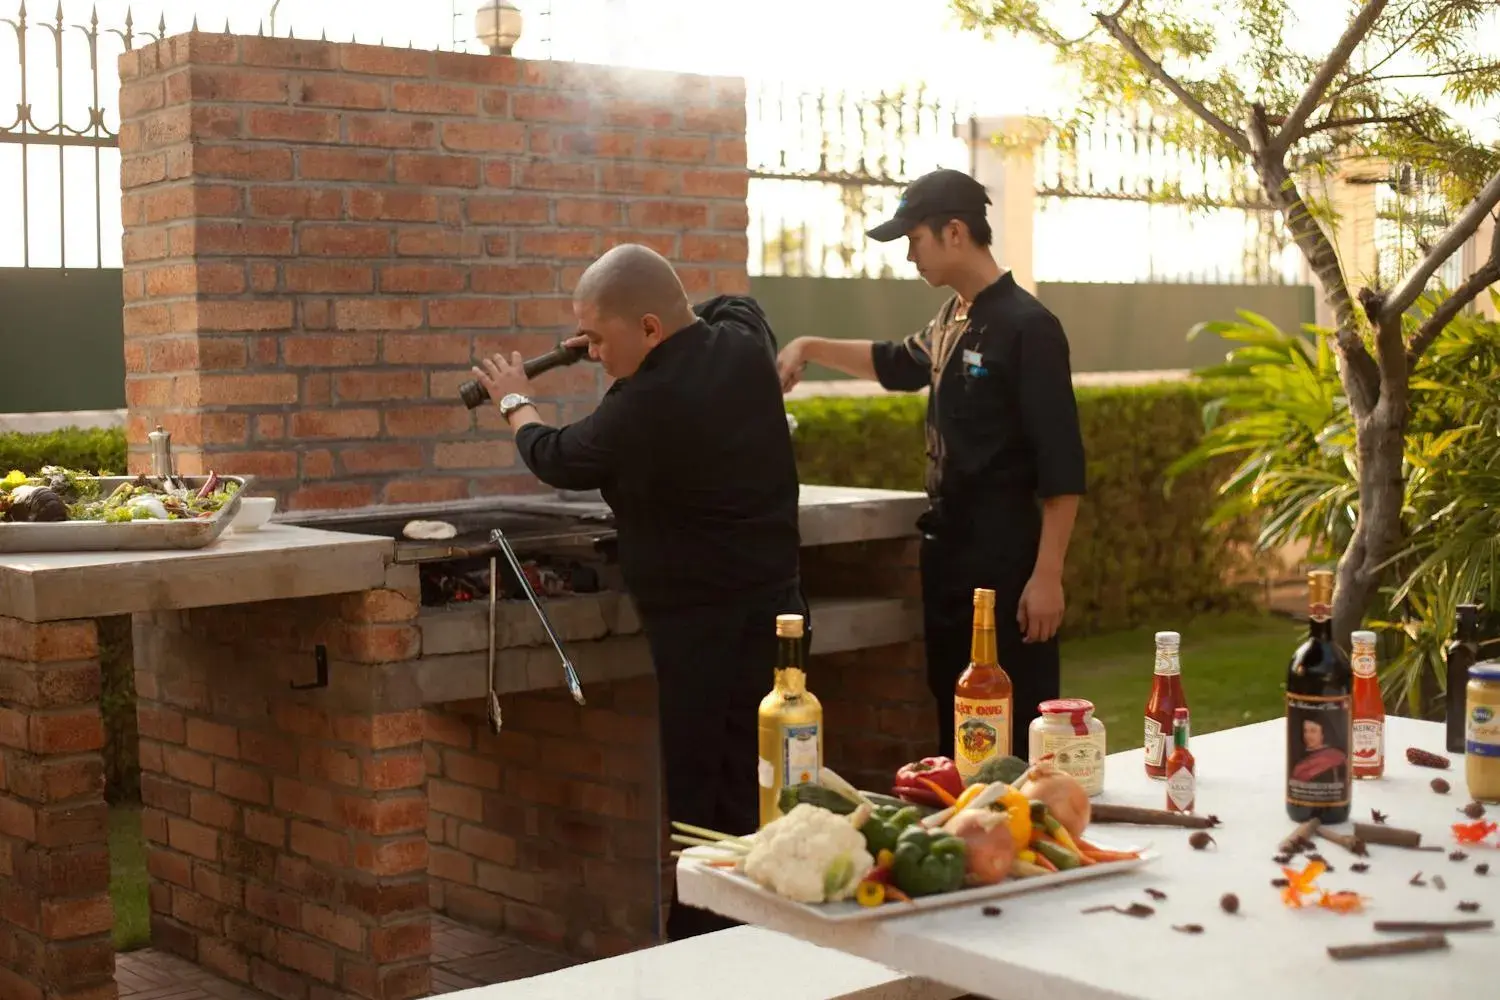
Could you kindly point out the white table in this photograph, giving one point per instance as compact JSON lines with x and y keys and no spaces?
{"x":1042,"y":948}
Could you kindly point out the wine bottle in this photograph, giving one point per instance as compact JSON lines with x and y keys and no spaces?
{"x":1463,"y":653}
{"x":790,"y":724}
{"x":983,"y":697}
{"x":1319,"y":715}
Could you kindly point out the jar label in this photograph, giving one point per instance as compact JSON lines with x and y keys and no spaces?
{"x":1317,"y":750}
{"x":1181,"y":786}
{"x":1369,"y":742}
{"x":1483,"y":732}
{"x":1082,"y":757}
{"x":799,"y":754}
{"x":1155,"y":743}
{"x":981,"y":730}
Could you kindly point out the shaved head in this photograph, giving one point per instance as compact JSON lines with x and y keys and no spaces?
{"x":631,"y":281}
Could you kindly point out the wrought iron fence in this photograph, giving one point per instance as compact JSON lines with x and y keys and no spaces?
{"x":1187,"y":217}
{"x":1410,"y":212}
{"x":45,"y":80}
{"x":825,"y":167}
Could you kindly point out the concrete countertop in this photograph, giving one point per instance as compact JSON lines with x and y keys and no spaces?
{"x":275,"y":562}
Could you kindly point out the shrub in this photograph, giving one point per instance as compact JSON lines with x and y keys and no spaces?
{"x":91,"y":450}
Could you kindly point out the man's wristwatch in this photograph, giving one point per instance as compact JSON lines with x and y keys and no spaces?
{"x":511,"y":402}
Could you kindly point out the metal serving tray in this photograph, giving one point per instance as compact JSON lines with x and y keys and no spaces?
{"x":125,"y":536}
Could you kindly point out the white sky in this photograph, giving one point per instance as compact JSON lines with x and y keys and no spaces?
{"x":857,"y":45}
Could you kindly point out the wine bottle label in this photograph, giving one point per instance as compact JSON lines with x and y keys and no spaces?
{"x":1182,"y":785}
{"x":1155,"y":742}
{"x":1482,"y":733}
{"x":1317,"y":750}
{"x":981,"y":730}
{"x":800,"y":753}
{"x":1369,"y":742}
{"x":1363,"y":662}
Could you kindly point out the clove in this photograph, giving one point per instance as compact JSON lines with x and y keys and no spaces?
{"x":1440,"y":786}
{"x":1201,"y":840}
{"x":1133,"y":910}
{"x":991,"y":911}
{"x":1468,"y":906}
{"x":1300,"y":838}
{"x":1417,"y":880}
{"x":1347,"y":841}
{"x":1406,"y":946}
{"x":1359,"y":867}
{"x":1282,"y":859}
{"x":1377,"y":816}
{"x":1483,"y":868}
{"x":1474,"y":810}
{"x":1188,"y":928}
{"x":1280,"y":883}
{"x":1156,"y":894}
{"x":1458,"y":856}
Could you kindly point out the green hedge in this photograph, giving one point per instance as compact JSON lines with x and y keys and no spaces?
{"x":95,"y":450}
{"x":1137,"y":557}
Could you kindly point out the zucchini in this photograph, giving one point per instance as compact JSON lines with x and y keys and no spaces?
{"x":814,"y":795}
{"x":1059,"y":856}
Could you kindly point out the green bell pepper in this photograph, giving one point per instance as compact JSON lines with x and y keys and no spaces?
{"x":885,"y":825}
{"x":928,"y":862}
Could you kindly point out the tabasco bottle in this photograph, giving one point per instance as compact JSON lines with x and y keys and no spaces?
{"x":983,"y":697}
{"x":1463,"y":653}
{"x":1182,"y":769}
{"x":1368,"y":743}
{"x":791,"y":723}
{"x":1166,"y":697}
{"x":1319,"y":715}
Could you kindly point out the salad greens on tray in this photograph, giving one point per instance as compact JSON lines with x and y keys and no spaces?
{"x":58,"y":494}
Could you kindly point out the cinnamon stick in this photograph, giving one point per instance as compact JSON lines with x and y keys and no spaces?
{"x":1406,"y":946}
{"x":1141,"y":816}
{"x":1428,"y":926}
{"x":1387,"y":836}
{"x":1300,"y":837}
{"x":1347,"y":841}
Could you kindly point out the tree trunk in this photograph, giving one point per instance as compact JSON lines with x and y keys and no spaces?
{"x":1379,"y":446}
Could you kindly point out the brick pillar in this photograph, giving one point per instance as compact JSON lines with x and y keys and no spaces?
{"x":55,"y":913}
{"x":321,"y":238}
{"x":287,"y":829}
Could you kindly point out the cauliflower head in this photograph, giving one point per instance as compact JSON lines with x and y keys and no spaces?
{"x":810,"y":855}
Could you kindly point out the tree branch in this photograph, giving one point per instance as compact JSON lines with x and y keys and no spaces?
{"x":1361,"y":376}
{"x":1332,"y":66}
{"x":1468,"y":222}
{"x":1330,"y":124}
{"x":1127,"y":42}
{"x":1487,"y":275}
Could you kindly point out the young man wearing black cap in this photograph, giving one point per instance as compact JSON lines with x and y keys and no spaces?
{"x":1005,"y":467}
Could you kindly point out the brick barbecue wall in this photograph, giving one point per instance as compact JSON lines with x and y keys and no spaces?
{"x":321,"y":238}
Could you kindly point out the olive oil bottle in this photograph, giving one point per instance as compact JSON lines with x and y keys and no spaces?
{"x":791,"y":723}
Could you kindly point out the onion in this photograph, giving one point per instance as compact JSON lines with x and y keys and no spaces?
{"x":1064,"y":797}
{"x":991,"y":849}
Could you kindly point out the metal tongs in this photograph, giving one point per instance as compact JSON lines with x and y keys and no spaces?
{"x":570,"y":676}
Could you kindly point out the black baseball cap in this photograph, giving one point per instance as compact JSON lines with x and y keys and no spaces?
{"x":937,"y":193}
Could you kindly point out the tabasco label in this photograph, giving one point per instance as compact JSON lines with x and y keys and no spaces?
{"x":1182,"y":789}
{"x":981,"y":730}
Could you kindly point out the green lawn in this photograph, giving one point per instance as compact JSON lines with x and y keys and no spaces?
{"x":1233,"y":669}
{"x":1233,"y":672}
{"x":127,"y":878}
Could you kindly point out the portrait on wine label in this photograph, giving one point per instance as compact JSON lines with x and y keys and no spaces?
{"x":1317,"y":748}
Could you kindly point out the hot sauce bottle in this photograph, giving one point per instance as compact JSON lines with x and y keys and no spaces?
{"x":983,"y":696}
{"x":1182,"y":769}
{"x":1368,"y":742}
{"x":1166,"y":697}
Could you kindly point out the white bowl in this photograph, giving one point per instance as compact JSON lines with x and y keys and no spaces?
{"x":253,"y":512}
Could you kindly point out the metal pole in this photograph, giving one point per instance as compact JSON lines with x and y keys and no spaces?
{"x":273,"y":17}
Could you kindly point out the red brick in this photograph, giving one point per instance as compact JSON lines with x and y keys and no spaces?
{"x":433,"y":242}
{"x":422,"y":278}
{"x":159,"y":723}
{"x":375,"y":643}
{"x":184,"y":765}
{"x":384,"y":816}
{"x":471,"y":770}
{"x":668,"y":214}
{"x":330,"y":351}
{"x":326,"y":424}
{"x":632,"y":114}
{"x":378,"y":60}
{"x":425,"y":349}
{"x":328,"y":846}
{"x":377,"y":314}
{"x":292,"y":796}
{"x":728,"y":119}
{"x":579,"y":212}
{"x":404,"y":941}
{"x":253,"y":163}
{"x":332,"y":496}
{"x":298,"y":203}
{"x":560,"y":246}
{"x":395,"y":770}
{"x":345,"y":241}
{"x":265,"y":828}
{"x":716,"y":183}
{"x":242,"y":783}
{"x":633,"y":178}
{"x":389,"y":131}
{"x":731,"y":281}
{"x":437,"y":170}
{"x":730,"y":152}
{"x":425,"y":490}
{"x":214,"y":810}
{"x":487,"y":844}
{"x":484,"y":137}
{"x":68,"y":919}
{"x":380,"y":458}
{"x":399,"y":206}
{"x":545,"y":312}
{"x":392,"y":857}
{"x":517,"y":209}
{"x":170,"y":866}
{"x":677,"y":149}
{"x":473,"y":455}
{"x":191,"y":838}
{"x":549,"y":107}
{"x":67,"y":732}
{"x":441,"y":727}
{"x":223,"y":959}
{"x":247,"y":390}
{"x":236,"y":86}
{"x":329,"y":276}
{"x":48,"y":642}
{"x":481,"y":68}
{"x":351,"y":387}
{"x":339,"y":92}
{"x":231,"y":238}
{"x":467,"y":313}
{"x":343,"y":165}
{"x":293,"y":126}
{"x":434,"y":99}
{"x":331,"y":765}
{"x":559,"y":176}
{"x":426,"y":421}
{"x":717,"y":249}
{"x":498,"y":174}
{"x":454,"y":866}
{"x":234,"y":316}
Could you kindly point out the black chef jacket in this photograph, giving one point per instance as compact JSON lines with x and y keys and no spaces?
{"x":694,"y":456}
{"x":1001,"y":417}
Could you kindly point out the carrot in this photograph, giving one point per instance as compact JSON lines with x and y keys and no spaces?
{"x":1104,"y":857}
{"x":941,"y":792}
{"x":891,"y":892}
{"x":1041,"y":861}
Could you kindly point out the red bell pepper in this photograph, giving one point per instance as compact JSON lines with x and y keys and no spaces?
{"x":941,"y":771}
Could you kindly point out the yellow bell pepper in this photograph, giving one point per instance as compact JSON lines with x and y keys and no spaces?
{"x":970,"y":794}
{"x":869,"y":894}
{"x":1017,"y":809}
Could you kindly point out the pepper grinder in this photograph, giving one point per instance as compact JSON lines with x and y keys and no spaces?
{"x":161,"y":455}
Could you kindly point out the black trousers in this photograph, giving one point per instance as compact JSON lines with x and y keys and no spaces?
{"x":992,"y":545}
{"x":714,"y":664}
